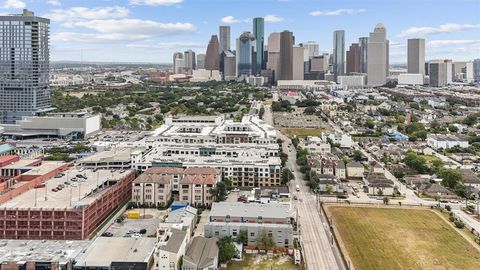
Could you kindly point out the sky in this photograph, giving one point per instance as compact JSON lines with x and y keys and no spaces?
{"x":152,"y":30}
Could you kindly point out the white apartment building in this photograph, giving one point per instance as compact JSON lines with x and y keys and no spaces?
{"x":437,"y":141}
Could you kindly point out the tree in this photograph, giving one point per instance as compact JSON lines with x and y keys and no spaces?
{"x":329,"y":189}
{"x":416,"y":162}
{"x":385,"y":200}
{"x":453,"y":128}
{"x":227,"y":249}
{"x":261,"y":112}
{"x":309,"y":110}
{"x":370,"y":124}
{"x":287,"y":175}
{"x":219,"y":192}
{"x":357,"y":155}
{"x":265,"y":241}
{"x":437,"y":164}
{"x":380,"y":192}
{"x":242,"y":237}
{"x":450,"y":177}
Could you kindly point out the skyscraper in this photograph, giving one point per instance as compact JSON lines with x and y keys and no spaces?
{"x":476,"y":69}
{"x":190,"y":62}
{"x":201,"y":61}
{"x":297,"y":63}
{"x":258,"y":33}
{"x":228,"y":63}
{"x":285,"y":64}
{"x":353,"y":59}
{"x":273,"y":53}
{"x":377,"y":55}
{"x":224,"y":38}
{"x":212,"y":60}
{"x":416,"y":56}
{"x":338,"y":53}
{"x":437,"y":70}
{"x":178,"y":62}
{"x":244,"y":54}
{"x":363,"y":42}
{"x":24,"y":66}
{"x":311,"y":49}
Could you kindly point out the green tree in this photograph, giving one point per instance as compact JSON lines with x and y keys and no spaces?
{"x":416,"y":163}
{"x":242,"y":237}
{"x":287,"y":176}
{"x":310,"y":110}
{"x":265,"y":241}
{"x":450,"y":177}
{"x":219,"y":192}
{"x":227,"y":250}
{"x":453,"y":128}
{"x":357,"y":155}
{"x":329,"y":189}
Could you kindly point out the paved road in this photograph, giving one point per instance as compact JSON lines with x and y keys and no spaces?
{"x":467,"y":219}
{"x":315,"y":236}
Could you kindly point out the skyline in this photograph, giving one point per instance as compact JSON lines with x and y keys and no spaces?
{"x":152,"y":30}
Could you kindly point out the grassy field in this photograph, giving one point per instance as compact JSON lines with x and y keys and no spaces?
{"x":251,"y":262}
{"x":380,"y":238}
{"x":302,"y":132}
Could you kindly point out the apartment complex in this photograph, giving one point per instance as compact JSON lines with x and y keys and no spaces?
{"x":228,"y":219}
{"x":246,"y":152}
{"x":157,"y":186}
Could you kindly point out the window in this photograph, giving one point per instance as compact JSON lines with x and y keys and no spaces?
{"x":252,"y":234}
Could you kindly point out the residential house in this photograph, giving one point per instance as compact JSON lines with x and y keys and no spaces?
{"x":377,"y":182}
{"x":202,"y":254}
{"x":169,"y":250}
{"x":438,"y":141}
{"x":470,"y":178}
{"x":152,"y":188}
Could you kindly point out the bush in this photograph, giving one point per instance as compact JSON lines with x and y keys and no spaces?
{"x":471,"y":208}
{"x":459,"y":224}
{"x":451,"y":218}
{"x":448,"y":208}
{"x":143,"y":231}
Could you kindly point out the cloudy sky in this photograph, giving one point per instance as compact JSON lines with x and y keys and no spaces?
{"x":151,"y":30}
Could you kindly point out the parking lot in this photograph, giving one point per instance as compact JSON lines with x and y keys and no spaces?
{"x":129,"y":226}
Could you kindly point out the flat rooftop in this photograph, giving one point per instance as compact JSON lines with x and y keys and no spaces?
{"x":40,"y":250}
{"x":105,"y":250}
{"x":46,"y":167}
{"x":254,"y":210}
{"x":20,"y":164}
{"x":82,"y":193}
{"x":119,"y":154}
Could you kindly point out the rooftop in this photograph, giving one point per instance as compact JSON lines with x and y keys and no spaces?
{"x":39,"y":250}
{"x":70,"y":196}
{"x":255,"y":210}
{"x":202,"y":251}
{"x":175,"y":241}
{"x":126,"y":249}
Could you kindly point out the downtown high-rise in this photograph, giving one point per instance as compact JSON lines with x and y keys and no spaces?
{"x":259,"y":34}
{"x":224,"y":38}
{"x":363,"y":43}
{"x":416,"y":56}
{"x":212,"y":57}
{"x":377,"y":56}
{"x":24,"y":66}
{"x":245,"y":64}
{"x":338,"y":53}
{"x":285,"y":65}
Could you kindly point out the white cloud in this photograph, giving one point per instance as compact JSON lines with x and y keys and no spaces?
{"x":337,"y":12}
{"x":13,"y":4}
{"x":230,"y":20}
{"x":168,"y":45}
{"x":273,"y":18}
{"x":75,"y":14}
{"x":444,"y":28}
{"x":155,"y":2}
{"x":137,"y":27}
{"x":95,"y":37}
{"x":452,"y":42}
{"x":56,"y":3}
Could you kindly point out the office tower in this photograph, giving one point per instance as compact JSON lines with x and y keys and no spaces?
{"x":297,"y":63}
{"x":258,"y":33}
{"x":212,"y":60}
{"x":353,"y":58}
{"x":469,"y":72}
{"x":273,"y":49}
{"x":377,"y":54}
{"x":229,"y":65}
{"x":285,"y":64}
{"x":224,"y":38}
{"x":311,"y":49}
{"x":338,"y":53}
{"x":319,"y":63}
{"x":244,"y":54}
{"x":416,"y":56}
{"x":190,"y":62}
{"x":476,"y":69}
{"x":178,"y":62}
{"x":448,"y":71}
{"x":437,"y":69}
{"x":24,"y":66}
{"x":363,"y":43}
{"x":201,"y":61}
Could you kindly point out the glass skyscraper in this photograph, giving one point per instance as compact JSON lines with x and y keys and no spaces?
{"x":24,"y":66}
{"x":259,"y":33}
{"x":244,"y":54}
{"x":338,"y":53}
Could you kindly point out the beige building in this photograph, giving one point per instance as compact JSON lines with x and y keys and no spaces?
{"x":355,"y":170}
{"x":152,"y":188}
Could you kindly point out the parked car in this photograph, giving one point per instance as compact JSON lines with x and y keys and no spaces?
{"x":107,"y":234}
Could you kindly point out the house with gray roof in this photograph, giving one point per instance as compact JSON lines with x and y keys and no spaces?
{"x":202,"y":254}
